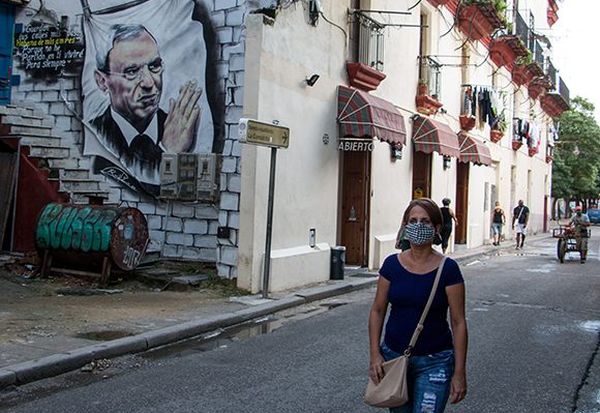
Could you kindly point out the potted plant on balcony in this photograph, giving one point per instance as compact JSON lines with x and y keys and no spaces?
{"x":498,"y":129}
{"x":426,"y":104}
{"x":480,"y":18}
{"x":506,"y":49}
{"x":521,"y":74}
{"x":517,"y":143}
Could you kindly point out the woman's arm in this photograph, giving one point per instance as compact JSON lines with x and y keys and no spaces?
{"x":453,"y":216}
{"x":456,"y":301}
{"x":376,"y":317}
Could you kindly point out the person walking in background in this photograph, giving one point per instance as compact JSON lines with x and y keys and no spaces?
{"x":447,"y":218}
{"x":521,"y":217}
{"x":498,"y":220}
{"x":437,"y":366}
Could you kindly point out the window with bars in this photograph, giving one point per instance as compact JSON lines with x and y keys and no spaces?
{"x":430,"y":74}
{"x":370,"y":41}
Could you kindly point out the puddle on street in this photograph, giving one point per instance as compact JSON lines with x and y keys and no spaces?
{"x":225,"y":336}
{"x":104,"y":335}
{"x":593,"y":326}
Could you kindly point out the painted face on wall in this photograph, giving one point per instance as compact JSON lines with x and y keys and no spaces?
{"x":134,"y":80}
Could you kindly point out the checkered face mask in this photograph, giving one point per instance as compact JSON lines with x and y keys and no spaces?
{"x":419,"y":233}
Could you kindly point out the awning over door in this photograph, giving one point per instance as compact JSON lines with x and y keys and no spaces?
{"x":473,"y":150}
{"x":360,"y":114}
{"x":430,"y":135}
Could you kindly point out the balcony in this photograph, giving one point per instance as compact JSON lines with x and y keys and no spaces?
{"x":506,"y":49}
{"x":531,"y":65}
{"x":556,"y":100}
{"x":478,"y":19}
{"x":428,"y":90}
{"x":367,"y":72}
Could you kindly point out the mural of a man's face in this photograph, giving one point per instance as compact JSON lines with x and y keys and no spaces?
{"x":134,"y":80}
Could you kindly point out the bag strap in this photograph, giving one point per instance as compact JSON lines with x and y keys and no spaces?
{"x":419,"y":327}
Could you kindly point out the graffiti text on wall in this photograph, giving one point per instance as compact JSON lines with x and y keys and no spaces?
{"x":80,"y":229}
{"x":46,"y":51}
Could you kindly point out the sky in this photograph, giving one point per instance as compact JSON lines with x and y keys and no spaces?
{"x":575,"y":48}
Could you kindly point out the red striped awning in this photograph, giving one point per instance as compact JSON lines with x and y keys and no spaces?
{"x":430,"y":135}
{"x":360,"y":114}
{"x":473,"y":150}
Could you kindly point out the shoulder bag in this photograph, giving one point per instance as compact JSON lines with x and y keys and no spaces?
{"x":392,"y":390}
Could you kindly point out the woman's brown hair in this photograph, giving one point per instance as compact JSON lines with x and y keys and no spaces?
{"x":432,"y":209}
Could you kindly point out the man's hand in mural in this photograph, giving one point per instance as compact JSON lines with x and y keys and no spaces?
{"x":182,"y":120}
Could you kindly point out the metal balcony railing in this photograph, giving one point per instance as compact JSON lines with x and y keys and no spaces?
{"x":551,"y":72}
{"x":537,"y":52}
{"x":430,"y":73}
{"x":522,"y":30}
{"x":370,"y":41}
{"x":563,"y":90}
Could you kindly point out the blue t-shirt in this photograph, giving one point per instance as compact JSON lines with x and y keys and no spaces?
{"x":408,"y":296}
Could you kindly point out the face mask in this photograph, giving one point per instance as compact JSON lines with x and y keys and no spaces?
{"x":419,"y":233}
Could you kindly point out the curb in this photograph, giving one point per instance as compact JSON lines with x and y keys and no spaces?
{"x":59,"y":363}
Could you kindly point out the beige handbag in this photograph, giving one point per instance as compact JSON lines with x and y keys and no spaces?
{"x":392,"y":390}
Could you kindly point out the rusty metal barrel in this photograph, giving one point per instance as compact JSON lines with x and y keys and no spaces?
{"x":86,"y":235}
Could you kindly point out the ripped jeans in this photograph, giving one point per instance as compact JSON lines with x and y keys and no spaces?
{"x":428,"y":381}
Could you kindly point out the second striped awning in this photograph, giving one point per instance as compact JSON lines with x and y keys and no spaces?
{"x":473,"y":150}
{"x":429,"y":136}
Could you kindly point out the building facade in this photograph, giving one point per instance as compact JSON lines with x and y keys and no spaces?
{"x":384,"y":103}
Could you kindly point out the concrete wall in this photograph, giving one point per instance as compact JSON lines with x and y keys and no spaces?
{"x":281,"y":54}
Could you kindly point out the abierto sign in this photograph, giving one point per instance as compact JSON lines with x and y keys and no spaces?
{"x":264,"y":134}
{"x":355,"y":145}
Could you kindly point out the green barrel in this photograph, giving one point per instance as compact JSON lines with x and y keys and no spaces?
{"x":81,"y":233}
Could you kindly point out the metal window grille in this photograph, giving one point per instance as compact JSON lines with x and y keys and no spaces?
{"x":551,"y":72}
{"x":431,"y":75}
{"x":370,"y":42}
{"x":522,"y":30}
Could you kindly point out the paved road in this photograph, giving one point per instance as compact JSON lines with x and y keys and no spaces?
{"x":534,"y":331}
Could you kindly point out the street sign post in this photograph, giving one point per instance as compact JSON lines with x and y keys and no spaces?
{"x":274,"y":136}
{"x":263,"y":134}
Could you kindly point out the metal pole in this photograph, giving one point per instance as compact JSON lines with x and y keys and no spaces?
{"x":267,"y":263}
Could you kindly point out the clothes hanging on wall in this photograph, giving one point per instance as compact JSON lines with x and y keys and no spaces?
{"x":520,"y":130}
{"x":482,"y":103}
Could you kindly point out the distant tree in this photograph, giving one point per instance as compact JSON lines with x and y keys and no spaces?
{"x":576,"y":166}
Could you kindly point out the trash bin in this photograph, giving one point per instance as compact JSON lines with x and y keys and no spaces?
{"x":338,"y":259}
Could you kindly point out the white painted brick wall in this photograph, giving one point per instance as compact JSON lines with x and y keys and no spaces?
{"x":194,"y":226}
{"x":173,"y":224}
{"x":230,"y":201}
{"x":183,"y":211}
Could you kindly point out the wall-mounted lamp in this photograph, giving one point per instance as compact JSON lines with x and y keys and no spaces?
{"x":396,"y":152}
{"x":310,"y":81}
{"x":447,"y":162}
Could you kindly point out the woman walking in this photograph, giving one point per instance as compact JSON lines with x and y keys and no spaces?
{"x":437,"y":366}
{"x":447,"y":224}
{"x":498,"y":220}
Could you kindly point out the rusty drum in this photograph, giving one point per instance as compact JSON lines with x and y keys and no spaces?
{"x":85,"y":235}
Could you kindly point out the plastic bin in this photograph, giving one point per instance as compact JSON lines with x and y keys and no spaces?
{"x":337,"y":262}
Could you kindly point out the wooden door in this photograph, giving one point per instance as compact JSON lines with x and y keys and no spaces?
{"x":421,"y":175}
{"x":462,"y":202}
{"x":355,"y":206}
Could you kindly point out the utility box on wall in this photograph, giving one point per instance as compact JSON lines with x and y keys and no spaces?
{"x":189,"y":177}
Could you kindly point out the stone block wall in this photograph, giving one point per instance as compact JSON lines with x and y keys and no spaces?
{"x":178,"y":230}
